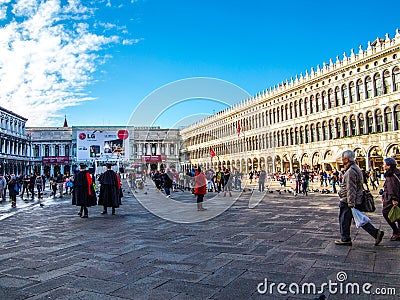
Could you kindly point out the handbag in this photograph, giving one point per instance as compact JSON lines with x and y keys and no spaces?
{"x":394,"y":214}
{"x":367,"y":202}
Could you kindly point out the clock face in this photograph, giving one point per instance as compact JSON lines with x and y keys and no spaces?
{"x":82,"y":136}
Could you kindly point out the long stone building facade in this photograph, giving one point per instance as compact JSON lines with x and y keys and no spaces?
{"x":14,"y":143}
{"x":306,"y":122}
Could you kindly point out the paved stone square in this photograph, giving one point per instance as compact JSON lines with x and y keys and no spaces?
{"x":50,"y":253}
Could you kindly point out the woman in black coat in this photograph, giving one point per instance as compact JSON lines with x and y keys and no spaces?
{"x":84,"y":194}
{"x":391,"y":194}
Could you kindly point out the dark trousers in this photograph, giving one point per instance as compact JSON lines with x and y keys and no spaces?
{"x":345,"y":217}
{"x":200,"y":198}
{"x":394,"y":227}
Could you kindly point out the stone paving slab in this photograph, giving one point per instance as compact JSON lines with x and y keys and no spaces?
{"x":50,"y":253}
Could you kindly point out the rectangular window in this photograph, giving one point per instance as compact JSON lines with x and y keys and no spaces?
{"x":171,"y":149}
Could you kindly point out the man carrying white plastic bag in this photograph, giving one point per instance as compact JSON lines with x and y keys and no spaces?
{"x":359,"y":218}
{"x":350,"y":194}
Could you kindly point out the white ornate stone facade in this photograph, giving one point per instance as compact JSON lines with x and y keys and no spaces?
{"x":352,"y":103}
{"x":49,"y":144}
{"x":14,"y":145}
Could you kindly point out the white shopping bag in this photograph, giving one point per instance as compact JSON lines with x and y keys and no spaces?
{"x":359,"y":218}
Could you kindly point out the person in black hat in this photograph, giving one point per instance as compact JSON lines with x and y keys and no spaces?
{"x":109,"y":190}
{"x":391,"y":194}
{"x":84,"y":194}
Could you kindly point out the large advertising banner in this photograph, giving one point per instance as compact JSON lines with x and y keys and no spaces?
{"x":97,"y":143}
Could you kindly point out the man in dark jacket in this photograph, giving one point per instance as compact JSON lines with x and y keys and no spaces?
{"x":350,"y":193}
{"x":84,"y":194}
{"x":391,"y":194}
{"x":109,"y":190}
{"x":166,"y":179}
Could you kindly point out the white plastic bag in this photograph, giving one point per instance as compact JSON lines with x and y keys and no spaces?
{"x":359,"y":218}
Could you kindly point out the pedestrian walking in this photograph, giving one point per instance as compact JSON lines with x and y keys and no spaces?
{"x":83,"y":192}
{"x":13,"y":190}
{"x":261,"y":180}
{"x":32,"y":181}
{"x":350,"y":193}
{"x":227,"y":182}
{"x":391,"y":194}
{"x":3,"y":186}
{"x":200,"y":188}
{"x":109,"y":190}
{"x":39,"y":186}
{"x":166,"y":182}
{"x":25,"y":187}
{"x":60,"y":183}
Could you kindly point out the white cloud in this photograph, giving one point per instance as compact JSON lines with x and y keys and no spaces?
{"x":48,"y":55}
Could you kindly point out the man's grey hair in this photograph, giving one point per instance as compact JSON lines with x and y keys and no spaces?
{"x":350,"y":155}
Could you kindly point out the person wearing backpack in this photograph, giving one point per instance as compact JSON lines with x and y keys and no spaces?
{"x":391,"y":194}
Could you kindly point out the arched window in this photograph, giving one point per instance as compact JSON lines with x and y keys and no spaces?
{"x":313,"y":133}
{"x":345,"y":94}
{"x":306,"y":134}
{"x":353,"y":125}
{"x":278,"y":136}
{"x":301,"y":135}
{"x":396,"y":79}
{"x":325,"y":99}
{"x":278,"y":113}
{"x":378,"y":84}
{"x":283,"y":138}
{"x":368,"y":83}
{"x":291,"y":110}
{"x":308,"y":106}
{"x":313,"y":105}
{"x":396,"y":120}
{"x":274,"y":116}
{"x":388,"y":119}
{"x":331,"y":99}
{"x":379,"y":121}
{"x":353,"y":96}
{"x":286,"y":113}
{"x":270,"y":117}
{"x":346,"y":127}
{"x":325,"y":130}
{"x":296,"y":136}
{"x":387,"y":84}
{"x":338,"y":128}
{"x":287,"y":137}
{"x":332,"y":133}
{"x":300,"y":108}
{"x":370,"y":122}
{"x":56,"y":150}
{"x":361,"y":124}
{"x":318,"y":103}
{"x":291,"y":136}
{"x":337,"y":97}
{"x":360,"y":90}
{"x":319,"y":131}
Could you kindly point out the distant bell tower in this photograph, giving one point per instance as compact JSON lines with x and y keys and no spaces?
{"x":65,"y":121}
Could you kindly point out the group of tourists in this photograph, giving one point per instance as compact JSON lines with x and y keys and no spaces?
{"x":20,"y":185}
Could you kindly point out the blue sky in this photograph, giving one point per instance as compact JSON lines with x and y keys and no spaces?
{"x":95,"y":61}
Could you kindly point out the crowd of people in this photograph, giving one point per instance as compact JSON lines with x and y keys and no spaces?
{"x":81,"y":186}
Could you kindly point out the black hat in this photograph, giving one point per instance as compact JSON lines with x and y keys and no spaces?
{"x":108,"y":165}
{"x":83,"y":166}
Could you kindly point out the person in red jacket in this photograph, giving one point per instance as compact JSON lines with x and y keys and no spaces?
{"x":200,"y":188}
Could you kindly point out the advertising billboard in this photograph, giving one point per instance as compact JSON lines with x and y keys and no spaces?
{"x":96,"y":144}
